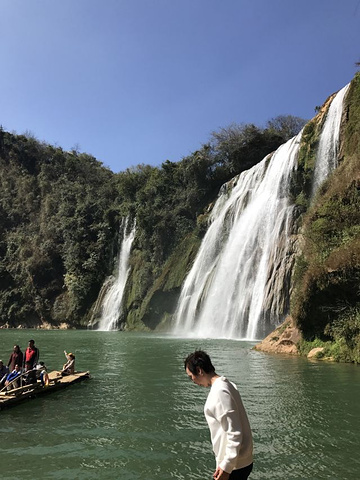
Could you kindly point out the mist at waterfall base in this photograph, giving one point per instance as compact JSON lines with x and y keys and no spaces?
{"x":112,"y":303}
{"x":238,"y":286}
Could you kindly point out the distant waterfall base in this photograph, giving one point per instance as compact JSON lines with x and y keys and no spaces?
{"x":111,"y":301}
{"x":238,"y":286}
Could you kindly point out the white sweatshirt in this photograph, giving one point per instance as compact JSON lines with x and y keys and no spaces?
{"x":229,"y":426}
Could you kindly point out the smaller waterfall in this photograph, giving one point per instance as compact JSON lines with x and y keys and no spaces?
{"x":327,"y":154}
{"x":112,"y":303}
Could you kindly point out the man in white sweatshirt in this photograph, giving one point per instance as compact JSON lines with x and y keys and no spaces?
{"x":228,"y":423}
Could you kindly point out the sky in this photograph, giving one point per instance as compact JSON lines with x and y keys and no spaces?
{"x":144,"y":81}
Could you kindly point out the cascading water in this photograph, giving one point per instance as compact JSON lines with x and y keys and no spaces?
{"x":112,"y":303}
{"x":232,"y":270}
{"x":327,"y":158}
{"x":239,"y":284}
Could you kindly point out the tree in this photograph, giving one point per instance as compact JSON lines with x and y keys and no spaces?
{"x":240,"y":147}
{"x":286,"y":125}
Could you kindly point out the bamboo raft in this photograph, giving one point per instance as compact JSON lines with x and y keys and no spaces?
{"x":10,"y":398}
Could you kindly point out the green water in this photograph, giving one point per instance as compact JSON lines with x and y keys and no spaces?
{"x":139,"y":417}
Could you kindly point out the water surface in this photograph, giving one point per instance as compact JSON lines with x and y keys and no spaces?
{"x":139,"y":417}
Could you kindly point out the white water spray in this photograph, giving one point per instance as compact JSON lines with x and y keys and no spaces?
{"x":239,"y":284}
{"x":112,"y":303}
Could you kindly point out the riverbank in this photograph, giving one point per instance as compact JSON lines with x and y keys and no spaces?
{"x":41,"y":326}
{"x":287,"y":339}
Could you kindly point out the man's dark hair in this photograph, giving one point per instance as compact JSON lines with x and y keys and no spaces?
{"x":198,"y":359}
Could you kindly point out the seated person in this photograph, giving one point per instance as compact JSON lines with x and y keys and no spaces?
{"x":4,"y":371}
{"x":69,"y":366}
{"x":10,"y":381}
{"x":41,"y":374}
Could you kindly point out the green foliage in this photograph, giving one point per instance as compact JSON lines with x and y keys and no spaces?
{"x":305,"y":346}
{"x":239,"y":147}
{"x":57,"y":218}
{"x":346,"y":328}
{"x":336,"y":350}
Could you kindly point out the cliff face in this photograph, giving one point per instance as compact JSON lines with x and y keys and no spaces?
{"x":325,"y":302}
{"x":326,"y":298}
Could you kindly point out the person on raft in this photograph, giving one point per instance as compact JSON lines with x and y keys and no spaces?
{"x":10,"y":381}
{"x":30,"y":362}
{"x":16,"y":358}
{"x":69,"y":366}
{"x":41,"y":374}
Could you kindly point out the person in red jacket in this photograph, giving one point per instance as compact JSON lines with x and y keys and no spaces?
{"x":31,"y":356}
{"x":31,"y":359}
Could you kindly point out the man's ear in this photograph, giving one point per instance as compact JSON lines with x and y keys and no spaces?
{"x":199,"y":371}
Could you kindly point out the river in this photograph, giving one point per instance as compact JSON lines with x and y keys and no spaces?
{"x":140,"y":418}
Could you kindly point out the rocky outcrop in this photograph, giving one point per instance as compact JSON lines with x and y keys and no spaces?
{"x":283,"y":339}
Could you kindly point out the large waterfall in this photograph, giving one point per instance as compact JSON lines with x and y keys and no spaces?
{"x":111,"y":304}
{"x":238,"y":286}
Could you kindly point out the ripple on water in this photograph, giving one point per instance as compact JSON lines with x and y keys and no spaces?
{"x":139,"y":417}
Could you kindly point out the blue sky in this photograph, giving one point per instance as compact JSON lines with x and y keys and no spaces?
{"x":143,"y":81}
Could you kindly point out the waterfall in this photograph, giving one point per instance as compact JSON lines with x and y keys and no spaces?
{"x":238,"y":286}
{"x":327,"y":158}
{"x":112,"y":303}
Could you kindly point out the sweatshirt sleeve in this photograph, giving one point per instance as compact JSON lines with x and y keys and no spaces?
{"x":229,"y":419}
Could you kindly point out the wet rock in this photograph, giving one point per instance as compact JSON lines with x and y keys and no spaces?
{"x":283,"y":339}
{"x":315,"y":352}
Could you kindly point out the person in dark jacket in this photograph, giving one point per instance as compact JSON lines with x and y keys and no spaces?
{"x":16,"y":358}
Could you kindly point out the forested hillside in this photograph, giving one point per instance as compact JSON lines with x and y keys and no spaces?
{"x":58,"y":230}
{"x":60,"y":214}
